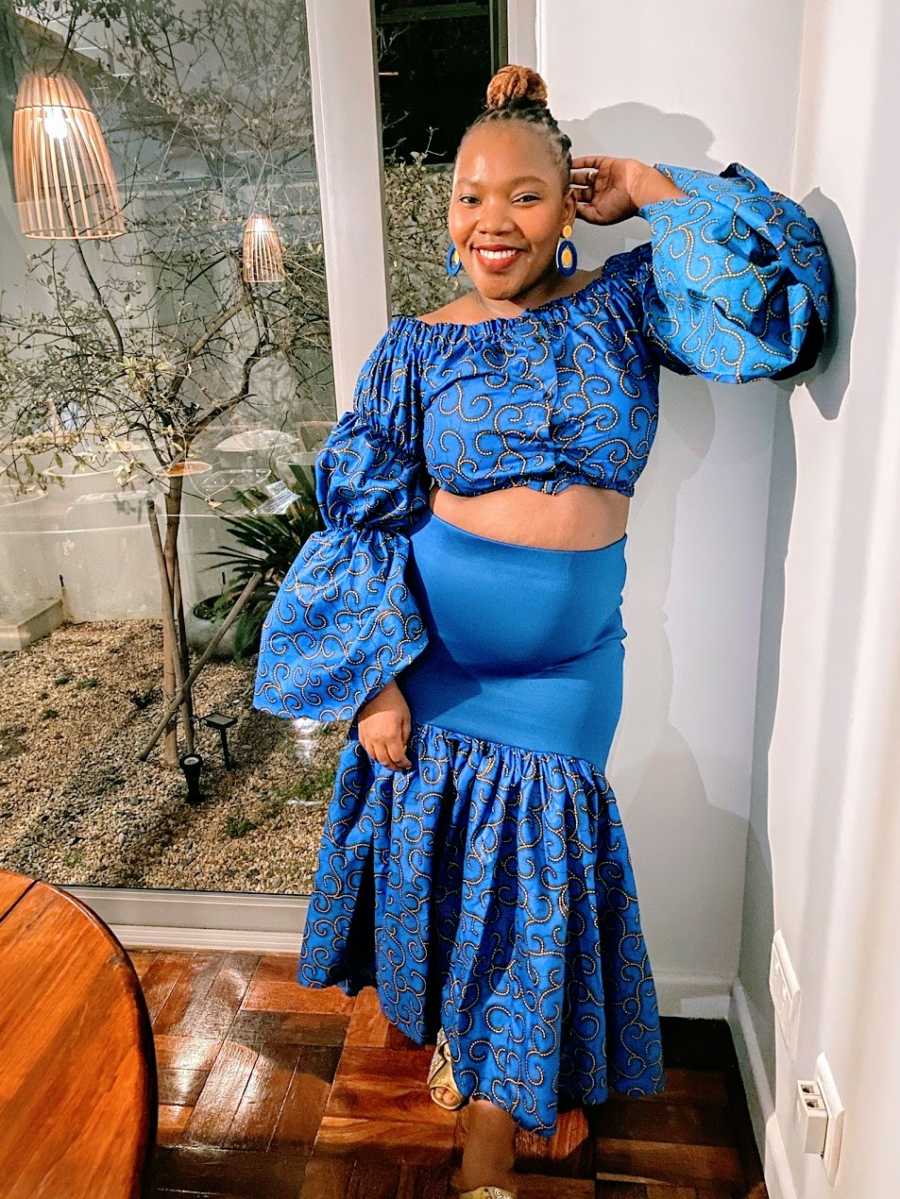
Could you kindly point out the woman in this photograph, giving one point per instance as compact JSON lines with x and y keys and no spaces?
{"x":462,"y":609}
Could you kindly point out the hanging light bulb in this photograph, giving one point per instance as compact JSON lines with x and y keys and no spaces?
{"x":65,"y":186}
{"x":262,"y":257}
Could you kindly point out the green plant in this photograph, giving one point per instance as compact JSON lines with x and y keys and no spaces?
{"x":214,"y":608}
{"x":314,"y":785}
{"x":238,"y":826}
{"x":270,"y":542}
{"x":272,"y":807}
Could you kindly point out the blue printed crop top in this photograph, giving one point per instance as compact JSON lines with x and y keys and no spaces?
{"x":735,"y":284}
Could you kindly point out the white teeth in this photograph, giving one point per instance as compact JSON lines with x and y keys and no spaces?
{"x":498,"y":253}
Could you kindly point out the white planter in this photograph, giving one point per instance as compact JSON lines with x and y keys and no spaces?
{"x":200,"y":632}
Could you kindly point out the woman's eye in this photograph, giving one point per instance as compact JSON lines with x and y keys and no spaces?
{"x":527,"y":196}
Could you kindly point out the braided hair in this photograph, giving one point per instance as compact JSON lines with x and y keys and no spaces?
{"x":517,"y":93}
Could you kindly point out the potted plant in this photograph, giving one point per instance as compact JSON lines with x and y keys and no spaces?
{"x":270,"y":537}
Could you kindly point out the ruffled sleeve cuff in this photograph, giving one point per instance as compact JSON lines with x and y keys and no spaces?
{"x":741,"y":282}
{"x":342,"y":626}
{"x":344,"y":623}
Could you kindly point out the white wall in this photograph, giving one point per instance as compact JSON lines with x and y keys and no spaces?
{"x":757,"y":758}
{"x":824,"y":851}
{"x":663,"y":82}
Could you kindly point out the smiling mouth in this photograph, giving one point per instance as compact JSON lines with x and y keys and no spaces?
{"x":497,"y":257}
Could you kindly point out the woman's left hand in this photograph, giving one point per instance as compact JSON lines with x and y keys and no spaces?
{"x":617,"y":188}
{"x":607,"y":197}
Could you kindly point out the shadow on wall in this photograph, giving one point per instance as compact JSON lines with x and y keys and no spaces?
{"x":675,"y":821}
{"x":846,"y":488}
{"x":826,"y":386}
{"x":688,"y":817}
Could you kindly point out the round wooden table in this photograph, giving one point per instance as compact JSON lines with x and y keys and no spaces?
{"x":78,"y":1087}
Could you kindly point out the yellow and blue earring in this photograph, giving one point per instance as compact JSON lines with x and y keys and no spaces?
{"x":454,"y":262}
{"x":566,"y":257}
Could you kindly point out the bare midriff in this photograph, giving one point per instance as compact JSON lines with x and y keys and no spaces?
{"x":583,"y":517}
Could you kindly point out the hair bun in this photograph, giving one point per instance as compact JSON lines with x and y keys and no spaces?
{"x":516,"y":83}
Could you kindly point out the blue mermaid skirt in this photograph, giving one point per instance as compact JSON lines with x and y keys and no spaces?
{"x":489,"y":888}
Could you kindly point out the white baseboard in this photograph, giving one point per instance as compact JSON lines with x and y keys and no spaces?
{"x":766,"y":1129}
{"x":139,"y":936}
{"x":274,"y":924}
{"x":174,"y":919}
{"x":698,"y":996}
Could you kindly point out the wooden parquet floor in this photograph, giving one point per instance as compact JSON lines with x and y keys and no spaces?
{"x":275,"y":1091}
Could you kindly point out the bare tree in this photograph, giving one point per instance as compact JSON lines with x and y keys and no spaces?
{"x":140,"y":344}
{"x":129,"y":350}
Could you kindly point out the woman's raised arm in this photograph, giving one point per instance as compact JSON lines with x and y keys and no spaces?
{"x":735,"y":283}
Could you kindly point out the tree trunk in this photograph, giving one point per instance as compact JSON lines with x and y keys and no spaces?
{"x":169,"y":650}
{"x":176,"y":659}
{"x":178,"y":637}
{"x":183,"y":647}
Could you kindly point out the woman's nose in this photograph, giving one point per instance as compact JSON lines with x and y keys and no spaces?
{"x":495,"y":220}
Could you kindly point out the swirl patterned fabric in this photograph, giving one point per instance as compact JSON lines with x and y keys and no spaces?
{"x":343,"y":623}
{"x":550,"y":995}
{"x":502,"y":875}
{"x":734,"y":285}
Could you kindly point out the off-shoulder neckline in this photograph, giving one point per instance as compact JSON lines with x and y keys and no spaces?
{"x":496,"y":324}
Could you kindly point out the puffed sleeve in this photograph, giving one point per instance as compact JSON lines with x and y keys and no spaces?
{"x":735,"y":282}
{"x":344,"y":622}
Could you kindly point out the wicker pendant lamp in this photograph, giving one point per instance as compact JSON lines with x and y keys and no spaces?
{"x":65,"y":186}
{"x":262,"y":257}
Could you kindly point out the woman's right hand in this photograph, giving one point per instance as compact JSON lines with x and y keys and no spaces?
{"x":384,"y":725}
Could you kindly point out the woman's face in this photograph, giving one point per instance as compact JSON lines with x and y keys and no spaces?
{"x":507,"y":194}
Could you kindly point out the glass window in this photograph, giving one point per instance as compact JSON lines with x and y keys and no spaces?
{"x":434,"y":63}
{"x":165,"y":381}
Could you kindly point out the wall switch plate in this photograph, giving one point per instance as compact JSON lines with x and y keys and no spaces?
{"x":784,"y":987}
{"x":834,"y":1131}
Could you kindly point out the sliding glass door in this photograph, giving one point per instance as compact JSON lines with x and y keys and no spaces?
{"x":208,"y":214}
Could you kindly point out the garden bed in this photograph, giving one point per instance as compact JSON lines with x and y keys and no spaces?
{"x":78,"y":808}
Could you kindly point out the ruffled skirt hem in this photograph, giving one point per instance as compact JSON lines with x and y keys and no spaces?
{"x":489,"y":890}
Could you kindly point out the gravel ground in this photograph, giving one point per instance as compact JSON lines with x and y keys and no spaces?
{"x":78,"y":808}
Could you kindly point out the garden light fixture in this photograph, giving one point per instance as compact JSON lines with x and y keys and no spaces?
{"x":222,"y":723}
{"x":192,"y":765}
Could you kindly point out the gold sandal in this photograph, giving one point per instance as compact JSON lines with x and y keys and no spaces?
{"x":440,"y":1075}
{"x":488,"y":1193}
{"x":483,"y":1192}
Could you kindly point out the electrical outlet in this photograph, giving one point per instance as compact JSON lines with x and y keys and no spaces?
{"x":812,"y":1117}
{"x":784,"y":987}
{"x":834,"y":1130}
